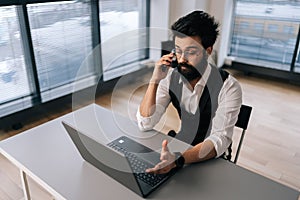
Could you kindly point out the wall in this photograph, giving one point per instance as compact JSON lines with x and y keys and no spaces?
{"x":179,"y":8}
{"x":159,"y":24}
{"x":222,"y":11}
{"x":165,"y":12}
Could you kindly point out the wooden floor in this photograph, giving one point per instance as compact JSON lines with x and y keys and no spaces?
{"x":271,"y":146}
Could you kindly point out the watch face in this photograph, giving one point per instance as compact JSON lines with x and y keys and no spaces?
{"x":180,"y":160}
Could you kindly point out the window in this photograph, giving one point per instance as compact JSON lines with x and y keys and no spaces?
{"x":265,"y":32}
{"x":273,"y":28}
{"x":244,"y":25}
{"x":288,"y":29}
{"x":15,"y":88}
{"x":52,"y":48}
{"x":259,"y":27}
{"x":62,"y":39}
{"x":123,"y":36}
{"x":296,"y":67}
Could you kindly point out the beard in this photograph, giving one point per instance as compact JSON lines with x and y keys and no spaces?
{"x":190,"y":72}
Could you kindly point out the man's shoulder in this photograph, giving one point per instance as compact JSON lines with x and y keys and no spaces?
{"x":231,"y":84}
{"x":224,"y":74}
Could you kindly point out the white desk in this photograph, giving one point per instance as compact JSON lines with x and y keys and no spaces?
{"x":47,"y":154}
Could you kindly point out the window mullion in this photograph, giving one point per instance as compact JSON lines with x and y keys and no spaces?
{"x":296,"y":51}
{"x":96,"y":40}
{"x":28,"y":53}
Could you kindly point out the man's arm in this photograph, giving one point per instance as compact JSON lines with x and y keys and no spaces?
{"x":229,"y":103}
{"x":157,"y":97}
{"x":148,"y":104}
{"x":220,"y":138}
{"x":201,"y":152}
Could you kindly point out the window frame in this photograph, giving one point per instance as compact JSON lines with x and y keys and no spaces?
{"x":36,"y":98}
{"x":258,"y":61}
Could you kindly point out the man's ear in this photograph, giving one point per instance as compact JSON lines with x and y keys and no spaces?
{"x":209,"y":50}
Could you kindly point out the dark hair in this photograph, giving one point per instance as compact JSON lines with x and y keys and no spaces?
{"x":197,"y":23}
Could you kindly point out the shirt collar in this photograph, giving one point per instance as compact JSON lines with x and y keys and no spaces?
{"x":202,"y":82}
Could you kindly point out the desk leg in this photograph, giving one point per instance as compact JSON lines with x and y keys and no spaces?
{"x":25,"y":185}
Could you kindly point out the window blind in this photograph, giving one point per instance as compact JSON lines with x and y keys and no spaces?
{"x":123,"y":36}
{"x":265,"y":32}
{"x":15,"y":87}
{"x":62,"y":40}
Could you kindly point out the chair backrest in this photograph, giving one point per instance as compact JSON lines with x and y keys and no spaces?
{"x":244,"y":116}
{"x":242,"y":122}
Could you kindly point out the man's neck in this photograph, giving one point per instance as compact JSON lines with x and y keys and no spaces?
{"x":193,"y":83}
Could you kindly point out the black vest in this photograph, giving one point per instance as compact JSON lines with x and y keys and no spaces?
{"x":195,"y":127}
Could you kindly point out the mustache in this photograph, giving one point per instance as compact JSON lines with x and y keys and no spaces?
{"x":190,"y":74}
{"x":185,"y":65}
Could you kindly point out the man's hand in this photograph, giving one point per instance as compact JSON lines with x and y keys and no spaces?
{"x":148,"y":104}
{"x":161,"y":68}
{"x":167,"y":161}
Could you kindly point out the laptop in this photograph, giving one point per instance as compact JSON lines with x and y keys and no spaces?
{"x":123,"y":159}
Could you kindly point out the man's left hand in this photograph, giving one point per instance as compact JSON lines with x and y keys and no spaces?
{"x":167,"y":161}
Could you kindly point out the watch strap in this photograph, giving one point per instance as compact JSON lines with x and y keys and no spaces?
{"x":179,"y":160}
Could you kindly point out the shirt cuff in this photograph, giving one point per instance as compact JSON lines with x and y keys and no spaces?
{"x":221,"y":143}
{"x":144,"y":123}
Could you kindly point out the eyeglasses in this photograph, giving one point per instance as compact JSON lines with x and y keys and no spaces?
{"x":188,"y":54}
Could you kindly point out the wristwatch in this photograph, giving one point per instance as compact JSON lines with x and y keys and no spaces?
{"x":179,"y":160}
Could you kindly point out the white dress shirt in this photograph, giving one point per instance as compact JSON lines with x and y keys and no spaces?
{"x":229,"y":102}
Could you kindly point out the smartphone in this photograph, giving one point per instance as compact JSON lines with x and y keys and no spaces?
{"x":174,"y":62}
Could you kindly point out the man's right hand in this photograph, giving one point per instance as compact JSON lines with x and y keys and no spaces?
{"x":161,"y":68}
{"x":148,"y":104}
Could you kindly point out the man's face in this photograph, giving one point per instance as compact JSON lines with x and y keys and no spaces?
{"x":191,"y":56}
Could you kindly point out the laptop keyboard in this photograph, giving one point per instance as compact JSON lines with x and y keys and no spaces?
{"x":139,"y":166}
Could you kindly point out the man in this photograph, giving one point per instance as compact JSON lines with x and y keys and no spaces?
{"x":207,"y":99}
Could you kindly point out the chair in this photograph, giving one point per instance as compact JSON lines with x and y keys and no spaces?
{"x":242,"y":122}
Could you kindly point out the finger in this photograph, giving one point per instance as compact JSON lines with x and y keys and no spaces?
{"x":162,"y":165}
{"x":150,"y":170}
{"x":168,"y":56}
{"x":165,"y":63}
{"x":158,"y":170}
{"x":153,"y":170}
{"x":164,"y":151}
{"x":165,"y":146}
{"x":164,"y":170}
{"x":166,"y":59}
{"x":163,"y":156}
